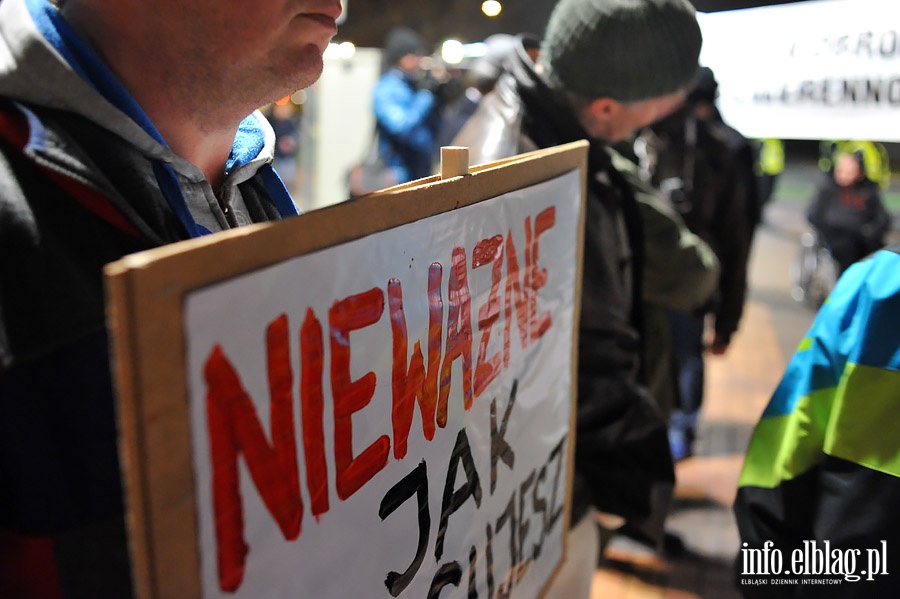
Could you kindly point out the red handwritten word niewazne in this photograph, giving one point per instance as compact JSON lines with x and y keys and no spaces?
{"x":423,"y":380}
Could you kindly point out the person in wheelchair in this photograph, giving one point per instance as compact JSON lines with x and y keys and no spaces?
{"x":848,"y":212}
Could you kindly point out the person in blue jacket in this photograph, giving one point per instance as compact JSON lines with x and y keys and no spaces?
{"x":406,"y":108}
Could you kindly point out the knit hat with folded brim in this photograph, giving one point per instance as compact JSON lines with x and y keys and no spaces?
{"x":626,"y":50}
{"x":400,"y":42}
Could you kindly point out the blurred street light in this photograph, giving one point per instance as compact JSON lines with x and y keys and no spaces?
{"x":491,"y":8}
{"x":453,"y":52}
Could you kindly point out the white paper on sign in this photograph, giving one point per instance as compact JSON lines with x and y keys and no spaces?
{"x":486,"y":295}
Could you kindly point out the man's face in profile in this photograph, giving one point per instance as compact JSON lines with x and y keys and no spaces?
{"x":266,"y":45}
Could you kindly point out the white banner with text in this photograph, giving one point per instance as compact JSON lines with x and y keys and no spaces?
{"x":822,"y":69}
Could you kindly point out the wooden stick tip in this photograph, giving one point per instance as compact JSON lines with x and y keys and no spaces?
{"x":454,"y":161}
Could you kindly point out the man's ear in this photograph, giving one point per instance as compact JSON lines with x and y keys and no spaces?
{"x":596,"y":116}
{"x":604,"y":107}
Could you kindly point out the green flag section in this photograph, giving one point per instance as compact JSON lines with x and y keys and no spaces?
{"x":786,"y":446}
{"x":866,"y":419}
{"x":855,"y":421}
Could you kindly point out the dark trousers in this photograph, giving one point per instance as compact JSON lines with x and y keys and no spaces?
{"x":687,"y":344}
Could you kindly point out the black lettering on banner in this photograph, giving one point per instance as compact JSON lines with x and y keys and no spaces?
{"x":453,"y":500}
{"x":873,"y":91}
{"x":841,"y":43}
{"x":500,"y":449}
{"x":888,"y":44}
{"x":449,"y":573}
{"x":473,"y":562}
{"x":489,"y":559}
{"x":509,"y":514}
{"x":524,"y":523}
{"x":505,"y":587}
{"x":807,"y":91}
{"x":894,"y":91}
{"x":558,"y":454}
{"x":850,"y":91}
{"x":865,"y":43}
{"x":836,"y":93}
{"x":540,"y":506}
{"x":826,"y":92}
{"x":414,"y":483}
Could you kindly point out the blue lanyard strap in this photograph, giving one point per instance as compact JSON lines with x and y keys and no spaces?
{"x":278,"y":192}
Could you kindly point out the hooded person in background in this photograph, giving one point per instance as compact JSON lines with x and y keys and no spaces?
{"x":695,"y":159}
{"x":606,"y":68}
{"x":124,"y":125}
{"x":406,"y":108}
{"x":703,"y":101}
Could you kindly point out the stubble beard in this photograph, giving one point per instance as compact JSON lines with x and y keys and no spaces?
{"x":224,"y":98}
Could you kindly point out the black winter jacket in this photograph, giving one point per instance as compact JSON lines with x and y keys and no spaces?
{"x":621,"y":449}
{"x":713,"y":200}
{"x":58,"y":456}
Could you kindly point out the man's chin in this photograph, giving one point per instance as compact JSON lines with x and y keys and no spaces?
{"x":307,"y":69}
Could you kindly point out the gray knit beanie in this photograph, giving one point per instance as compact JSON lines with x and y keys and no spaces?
{"x":401,"y":41}
{"x":627,"y":50}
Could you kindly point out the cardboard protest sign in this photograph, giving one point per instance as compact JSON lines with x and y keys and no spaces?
{"x":371,"y":400}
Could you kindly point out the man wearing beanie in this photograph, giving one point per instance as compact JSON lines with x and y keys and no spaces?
{"x":405,"y":112}
{"x":605,"y":69}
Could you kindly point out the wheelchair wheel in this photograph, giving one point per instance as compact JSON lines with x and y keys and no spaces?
{"x":803,"y":267}
{"x":813,"y":272}
{"x":823,"y":281}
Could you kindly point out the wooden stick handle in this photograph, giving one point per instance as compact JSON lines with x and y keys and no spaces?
{"x":454,"y":162}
